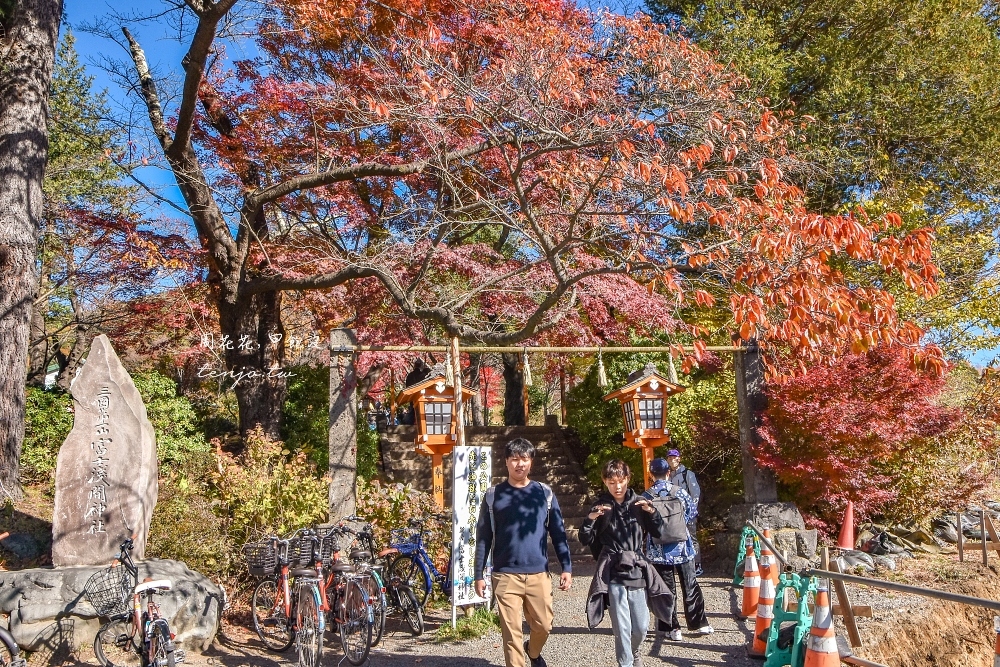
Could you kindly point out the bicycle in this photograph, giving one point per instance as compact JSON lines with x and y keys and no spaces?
{"x":287,"y":607}
{"x":413,"y":565}
{"x":397,"y":596}
{"x":131,"y":636}
{"x":10,"y":655}
{"x":345,"y":599}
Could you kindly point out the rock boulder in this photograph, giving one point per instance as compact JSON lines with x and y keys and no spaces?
{"x":106,"y":473}
{"x":48,"y":607}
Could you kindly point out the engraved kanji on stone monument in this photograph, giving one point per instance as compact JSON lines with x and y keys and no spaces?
{"x":106,"y":474}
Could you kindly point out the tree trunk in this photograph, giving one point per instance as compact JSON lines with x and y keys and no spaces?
{"x":476,"y":402}
{"x":39,"y":355}
{"x":513,"y":393}
{"x":30,"y":32}
{"x":70,"y":365}
{"x":759,"y":485}
{"x":254,"y":340}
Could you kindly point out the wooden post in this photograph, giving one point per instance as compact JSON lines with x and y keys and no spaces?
{"x":456,"y":361}
{"x":985,"y":541}
{"x":647,"y":457}
{"x":759,"y":484}
{"x":437,"y":479}
{"x":845,"y":605}
{"x":343,"y":434}
{"x":562,"y":393}
{"x":961,"y":538}
{"x":991,"y":529}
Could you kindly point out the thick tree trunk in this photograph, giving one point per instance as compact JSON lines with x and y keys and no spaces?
{"x":513,"y":394}
{"x":759,"y":485}
{"x":29,"y":35}
{"x":476,"y":402}
{"x":39,"y":354}
{"x":255,"y":354}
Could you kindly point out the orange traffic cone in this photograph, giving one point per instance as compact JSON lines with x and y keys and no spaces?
{"x":751,"y":584}
{"x":996,"y":649}
{"x":768,"y":562}
{"x":846,"y":538}
{"x":821,"y":646}
{"x":765,"y":615}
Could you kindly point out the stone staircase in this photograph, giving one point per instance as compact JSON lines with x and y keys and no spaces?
{"x":556,"y":464}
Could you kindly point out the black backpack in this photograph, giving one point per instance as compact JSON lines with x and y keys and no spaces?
{"x":671,"y":509}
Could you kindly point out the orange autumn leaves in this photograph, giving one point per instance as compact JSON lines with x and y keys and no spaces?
{"x":598,"y":146}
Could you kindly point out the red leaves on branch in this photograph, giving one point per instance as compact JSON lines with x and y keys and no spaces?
{"x":833,"y":434}
{"x":514,"y":171}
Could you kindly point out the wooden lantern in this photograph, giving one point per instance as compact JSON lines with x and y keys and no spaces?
{"x":434,"y":415}
{"x":644,"y":412}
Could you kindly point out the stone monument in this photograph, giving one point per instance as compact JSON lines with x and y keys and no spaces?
{"x":106,"y":473}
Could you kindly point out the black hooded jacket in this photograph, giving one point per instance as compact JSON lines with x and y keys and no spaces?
{"x":623,"y":529}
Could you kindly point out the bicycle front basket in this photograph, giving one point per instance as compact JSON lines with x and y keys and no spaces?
{"x":300,"y":552}
{"x":328,"y":546}
{"x":110,"y":591}
{"x":262,"y":561}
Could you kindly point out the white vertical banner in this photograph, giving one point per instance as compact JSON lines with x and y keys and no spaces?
{"x":473,"y":468}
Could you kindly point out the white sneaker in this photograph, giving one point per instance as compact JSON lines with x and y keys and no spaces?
{"x":675,"y":635}
{"x":706,"y":630}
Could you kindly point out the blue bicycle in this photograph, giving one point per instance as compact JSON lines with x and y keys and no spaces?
{"x":413,"y":565}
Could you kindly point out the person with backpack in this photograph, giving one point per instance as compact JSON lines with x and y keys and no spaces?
{"x":625,"y":582}
{"x":685,"y":478}
{"x":672,"y":552}
{"x":515,"y":518}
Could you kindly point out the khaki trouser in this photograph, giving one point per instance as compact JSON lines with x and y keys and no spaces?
{"x":533,"y":594}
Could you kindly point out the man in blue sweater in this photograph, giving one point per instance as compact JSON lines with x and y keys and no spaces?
{"x":514,"y":519}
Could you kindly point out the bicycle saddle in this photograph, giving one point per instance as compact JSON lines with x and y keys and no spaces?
{"x":157,"y":585}
{"x":342,"y":568}
{"x":305,"y":572}
{"x":361,"y":555}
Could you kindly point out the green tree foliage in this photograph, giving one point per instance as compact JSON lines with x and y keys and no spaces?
{"x":307,"y":421}
{"x":48,"y":420}
{"x":907,"y":98}
{"x":179,"y":437}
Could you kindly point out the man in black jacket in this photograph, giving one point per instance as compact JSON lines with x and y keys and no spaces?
{"x":619,"y":524}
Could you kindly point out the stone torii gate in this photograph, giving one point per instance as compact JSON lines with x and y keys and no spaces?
{"x":759,"y":484}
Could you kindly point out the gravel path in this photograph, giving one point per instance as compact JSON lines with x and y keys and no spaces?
{"x":571,"y":644}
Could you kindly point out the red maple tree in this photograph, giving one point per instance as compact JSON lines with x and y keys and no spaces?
{"x":833,"y":434}
{"x":501,"y":171}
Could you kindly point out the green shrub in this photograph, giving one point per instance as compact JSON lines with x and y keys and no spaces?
{"x":389,"y":506}
{"x":48,"y":420}
{"x":179,"y":437}
{"x":268,"y":490}
{"x":186,"y":526}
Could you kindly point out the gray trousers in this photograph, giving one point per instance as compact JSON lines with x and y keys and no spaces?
{"x":629,"y":621}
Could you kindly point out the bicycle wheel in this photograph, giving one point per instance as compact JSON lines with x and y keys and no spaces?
{"x":269,"y":618}
{"x":8,"y":649}
{"x":409,"y":571}
{"x":411,"y":609}
{"x":160,"y":646}
{"x":308,"y":626}
{"x":355,"y":620}
{"x":116,"y":645}
{"x":376,"y":596}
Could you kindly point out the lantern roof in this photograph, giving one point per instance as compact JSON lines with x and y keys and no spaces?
{"x":436,"y":377}
{"x":650,"y":376}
